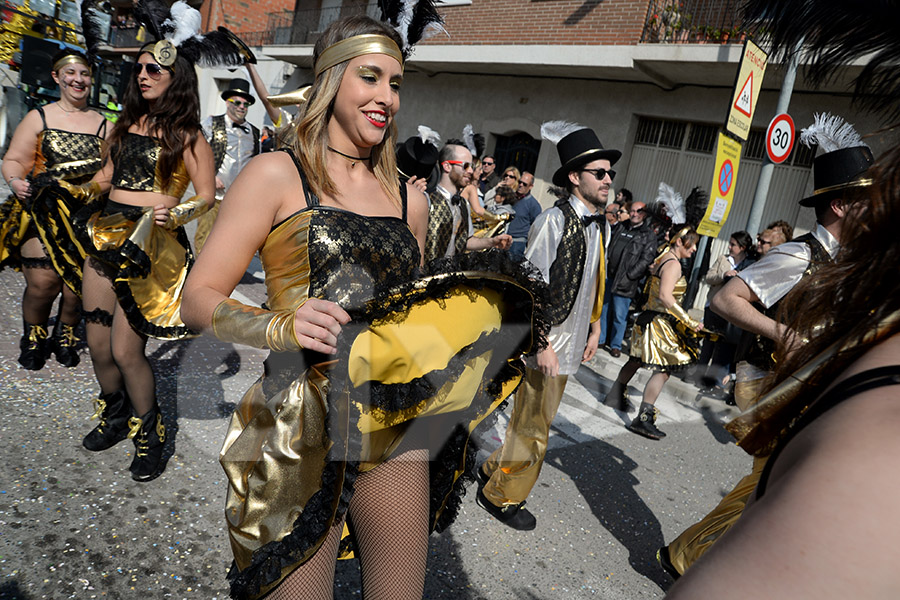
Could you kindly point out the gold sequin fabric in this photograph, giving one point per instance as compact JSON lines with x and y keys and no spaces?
{"x":657,"y":339}
{"x":74,"y":157}
{"x":137,"y":168}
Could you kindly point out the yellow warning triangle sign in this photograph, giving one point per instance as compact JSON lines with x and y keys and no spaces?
{"x":744,"y":100}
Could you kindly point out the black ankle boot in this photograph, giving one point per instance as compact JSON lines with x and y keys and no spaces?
{"x":113,"y":410}
{"x":64,"y":343}
{"x":617,"y":399}
{"x":149,"y":435}
{"x":645,"y":424}
{"x":34,"y":347}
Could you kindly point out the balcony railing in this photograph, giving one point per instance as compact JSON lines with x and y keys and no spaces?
{"x":123,"y":37}
{"x":694,"y":22}
{"x":301,"y":26}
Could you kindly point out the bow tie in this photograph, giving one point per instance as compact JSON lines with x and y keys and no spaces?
{"x":588,"y":219}
{"x":242,"y":127}
{"x":456,"y":199}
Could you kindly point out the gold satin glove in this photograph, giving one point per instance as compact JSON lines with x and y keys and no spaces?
{"x":86,"y":192}
{"x":186,"y":212}
{"x":682,"y":315}
{"x":233,"y":321}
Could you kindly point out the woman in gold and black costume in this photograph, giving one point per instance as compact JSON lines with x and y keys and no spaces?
{"x":138,"y":251}
{"x":662,"y":338}
{"x":62,"y":140}
{"x":357,"y":436}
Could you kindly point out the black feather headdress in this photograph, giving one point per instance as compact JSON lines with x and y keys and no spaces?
{"x":695,"y":206}
{"x":833,"y":34}
{"x":414,"y":20}
{"x":92,"y":28}
{"x":180,"y":26}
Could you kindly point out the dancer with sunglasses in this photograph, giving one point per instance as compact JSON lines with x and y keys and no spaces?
{"x":61,"y":140}
{"x":234,"y":142}
{"x":138,"y":251}
{"x":376,"y":376}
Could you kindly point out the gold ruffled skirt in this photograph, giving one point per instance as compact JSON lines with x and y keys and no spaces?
{"x":662,"y":343}
{"x":149,"y":264}
{"x":444,"y":358}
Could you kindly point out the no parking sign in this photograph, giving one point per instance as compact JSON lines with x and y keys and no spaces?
{"x":728,"y":158}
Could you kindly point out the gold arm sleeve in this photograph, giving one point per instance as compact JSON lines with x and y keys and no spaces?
{"x":186,"y":212}
{"x":233,"y":321}
{"x":86,"y":192}
{"x":681,"y":314}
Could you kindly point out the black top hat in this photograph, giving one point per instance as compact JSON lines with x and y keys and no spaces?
{"x":239,"y":87}
{"x":578,"y":149}
{"x":836,"y":172}
{"x":416,"y":158}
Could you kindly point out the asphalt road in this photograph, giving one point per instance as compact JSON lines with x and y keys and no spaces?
{"x":74,"y":525}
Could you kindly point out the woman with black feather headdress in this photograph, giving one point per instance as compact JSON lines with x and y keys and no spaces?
{"x":357,"y":436}
{"x":62,"y":140}
{"x":138,"y":255}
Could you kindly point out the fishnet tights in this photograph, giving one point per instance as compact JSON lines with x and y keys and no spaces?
{"x":388,"y":518}
{"x":42,"y":286}
{"x":117,"y":353}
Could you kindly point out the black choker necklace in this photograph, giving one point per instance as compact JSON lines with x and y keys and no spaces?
{"x":353,"y":159}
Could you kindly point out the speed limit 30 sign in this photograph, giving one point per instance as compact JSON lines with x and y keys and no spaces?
{"x":780,"y":138}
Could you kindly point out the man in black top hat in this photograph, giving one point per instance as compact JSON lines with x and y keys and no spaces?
{"x":750,"y":300}
{"x":234,"y":142}
{"x":566,"y":244}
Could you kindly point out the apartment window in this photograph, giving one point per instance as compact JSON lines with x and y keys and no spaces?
{"x":694,"y":137}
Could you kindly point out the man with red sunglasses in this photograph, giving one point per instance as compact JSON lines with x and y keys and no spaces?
{"x":234,"y":142}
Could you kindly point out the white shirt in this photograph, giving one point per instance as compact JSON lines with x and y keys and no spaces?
{"x":776,"y":273}
{"x":567,"y":339}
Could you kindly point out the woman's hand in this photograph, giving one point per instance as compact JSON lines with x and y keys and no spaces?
{"x":699,"y":327}
{"x":729,"y":274}
{"x":21,"y":188}
{"x":160,"y":214}
{"x":317,"y":324}
{"x":418,"y":183}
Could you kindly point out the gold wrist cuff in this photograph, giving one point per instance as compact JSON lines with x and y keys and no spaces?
{"x":186,"y":212}
{"x":86,"y":192}
{"x":679,"y":313}
{"x":233,"y":321}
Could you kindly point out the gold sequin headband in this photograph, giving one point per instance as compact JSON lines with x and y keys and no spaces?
{"x":68,"y":60}
{"x":358,"y":45}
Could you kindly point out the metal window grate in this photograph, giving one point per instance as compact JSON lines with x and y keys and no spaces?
{"x":755,"y":146}
{"x":672,"y":135}
{"x":647,"y":131}
{"x":702,"y":138}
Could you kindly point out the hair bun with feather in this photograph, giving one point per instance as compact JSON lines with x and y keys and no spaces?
{"x":414,"y":20}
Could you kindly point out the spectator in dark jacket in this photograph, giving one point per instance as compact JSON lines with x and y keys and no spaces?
{"x":632,"y":247}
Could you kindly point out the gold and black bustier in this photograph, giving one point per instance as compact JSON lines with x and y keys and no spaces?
{"x":137,"y":168}
{"x":74,"y":157}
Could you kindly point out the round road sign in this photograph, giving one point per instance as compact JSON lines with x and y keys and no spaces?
{"x":726,"y":177}
{"x":780,"y":138}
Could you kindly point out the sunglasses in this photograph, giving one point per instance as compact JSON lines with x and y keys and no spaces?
{"x":463,"y":165}
{"x":508,"y":176}
{"x":601,"y":173}
{"x":238,"y":102}
{"x":488,"y":164}
{"x":154,"y":71}
{"x":763,"y":242}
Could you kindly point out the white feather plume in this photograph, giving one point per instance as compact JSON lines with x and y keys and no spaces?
{"x":831,"y":133}
{"x":429,"y":136}
{"x":469,"y":138}
{"x":553,"y":131}
{"x":404,"y":20}
{"x":186,"y":21}
{"x":673,"y":202}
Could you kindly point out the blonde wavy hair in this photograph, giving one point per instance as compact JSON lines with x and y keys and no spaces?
{"x":310,"y":139}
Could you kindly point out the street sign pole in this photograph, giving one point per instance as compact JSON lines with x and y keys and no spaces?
{"x":765,"y":174}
